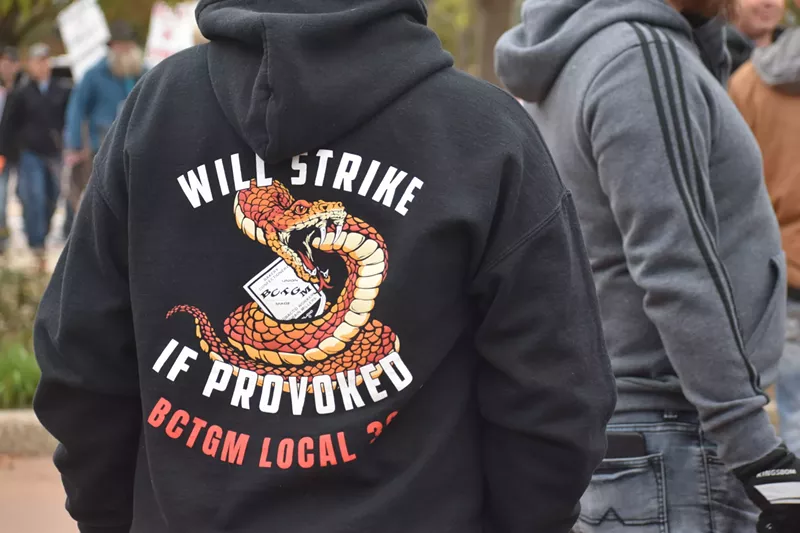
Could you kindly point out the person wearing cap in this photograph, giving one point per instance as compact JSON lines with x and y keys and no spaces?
{"x":10,"y":72}
{"x":32,"y":125}
{"x":96,"y":100}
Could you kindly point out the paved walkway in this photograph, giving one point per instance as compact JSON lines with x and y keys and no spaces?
{"x":31,"y":497}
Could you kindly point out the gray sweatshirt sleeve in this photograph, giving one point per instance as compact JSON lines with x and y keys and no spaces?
{"x":629,"y":114}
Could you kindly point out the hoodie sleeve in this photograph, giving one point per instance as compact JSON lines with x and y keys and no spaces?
{"x":545,"y":387}
{"x":88,"y":397}
{"x":658,"y":191}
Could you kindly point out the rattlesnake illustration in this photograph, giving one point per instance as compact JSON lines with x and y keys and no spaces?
{"x":344,"y":337}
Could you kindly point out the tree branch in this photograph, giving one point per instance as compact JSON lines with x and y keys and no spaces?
{"x":7,"y":23}
{"x":34,"y":20}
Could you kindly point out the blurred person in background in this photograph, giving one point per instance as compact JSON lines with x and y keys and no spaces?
{"x":33,"y":124}
{"x":767,"y":92}
{"x":756,"y":23}
{"x":10,"y":67}
{"x":467,"y":233}
{"x":96,"y":101}
{"x":10,"y":73}
{"x":686,"y":255}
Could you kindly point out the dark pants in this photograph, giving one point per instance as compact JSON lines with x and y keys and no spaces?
{"x":5,"y":175}
{"x":38,"y":190}
{"x":69,"y":218}
{"x":78,"y":179}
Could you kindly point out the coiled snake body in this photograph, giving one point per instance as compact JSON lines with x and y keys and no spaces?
{"x":344,"y":337}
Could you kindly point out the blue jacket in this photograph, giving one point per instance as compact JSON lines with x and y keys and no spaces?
{"x":96,"y":99}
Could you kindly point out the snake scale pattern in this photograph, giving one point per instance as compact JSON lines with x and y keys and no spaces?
{"x":345,"y":337}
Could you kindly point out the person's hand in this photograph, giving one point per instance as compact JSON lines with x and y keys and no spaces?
{"x":773,"y":483}
{"x":2,"y":163}
{"x":73,"y":157}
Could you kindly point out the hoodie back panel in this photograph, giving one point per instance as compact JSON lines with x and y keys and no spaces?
{"x":335,"y":284}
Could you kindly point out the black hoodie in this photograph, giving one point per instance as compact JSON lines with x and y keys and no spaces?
{"x":321,"y":281}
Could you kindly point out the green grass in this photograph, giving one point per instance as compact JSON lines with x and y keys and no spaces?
{"x":20,"y":293}
{"x":19,"y":375}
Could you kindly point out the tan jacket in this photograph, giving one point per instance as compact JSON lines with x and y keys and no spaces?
{"x":774,"y":117}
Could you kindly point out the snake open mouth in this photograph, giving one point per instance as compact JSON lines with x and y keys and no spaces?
{"x":299,"y":241}
{"x":308,"y":237}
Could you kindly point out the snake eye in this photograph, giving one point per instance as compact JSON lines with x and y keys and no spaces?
{"x":300,"y":209}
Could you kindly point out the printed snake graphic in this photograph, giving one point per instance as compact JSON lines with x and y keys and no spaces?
{"x":344,"y":337}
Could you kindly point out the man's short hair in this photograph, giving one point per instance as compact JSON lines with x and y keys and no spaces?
{"x":10,"y":53}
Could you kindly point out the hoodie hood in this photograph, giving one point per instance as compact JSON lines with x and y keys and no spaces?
{"x":778,"y":65}
{"x":293,"y":75}
{"x":739,"y":45}
{"x":530,"y":56}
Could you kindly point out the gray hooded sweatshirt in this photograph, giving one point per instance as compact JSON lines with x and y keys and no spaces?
{"x":668,"y":183}
{"x":779,"y":65}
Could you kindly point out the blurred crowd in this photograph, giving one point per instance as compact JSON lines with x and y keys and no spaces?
{"x":51,"y":129}
{"x":678,"y":213}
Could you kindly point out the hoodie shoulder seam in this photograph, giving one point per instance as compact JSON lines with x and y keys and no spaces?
{"x":104,"y":196}
{"x":532,"y":232}
{"x":612,"y":59}
{"x":513,"y":105}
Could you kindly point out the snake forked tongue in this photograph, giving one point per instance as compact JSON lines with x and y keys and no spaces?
{"x":307,"y":258}
{"x":309,"y":264}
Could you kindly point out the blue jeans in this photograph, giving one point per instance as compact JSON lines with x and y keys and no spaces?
{"x":38,"y":190}
{"x":4,"y":177}
{"x":788,"y":386}
{"x":680,"y":486}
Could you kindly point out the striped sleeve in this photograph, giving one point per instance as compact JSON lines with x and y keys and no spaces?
{"x":650,"y":126}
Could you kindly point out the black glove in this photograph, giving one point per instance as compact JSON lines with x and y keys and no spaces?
{"x":773,"y":483}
